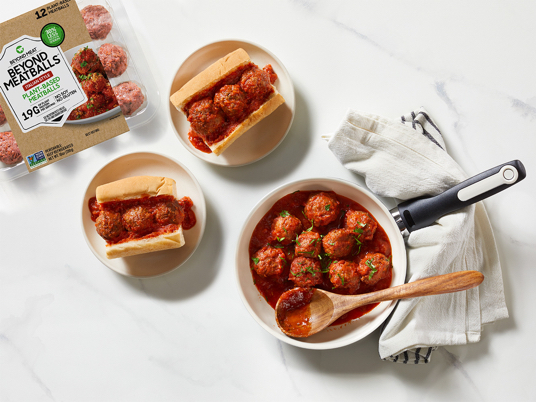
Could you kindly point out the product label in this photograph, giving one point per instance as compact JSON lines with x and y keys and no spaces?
{"x":37,"y":81}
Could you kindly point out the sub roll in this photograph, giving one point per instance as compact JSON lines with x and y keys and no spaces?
{"x":227,"y":99}
{"x":140,"y":215}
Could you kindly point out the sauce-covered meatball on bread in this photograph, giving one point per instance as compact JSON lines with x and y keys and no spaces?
{"x":139,"y":215}
{"x":225,"y":100}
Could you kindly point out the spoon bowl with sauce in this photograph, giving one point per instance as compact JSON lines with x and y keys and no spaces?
{"x":302,"y":312}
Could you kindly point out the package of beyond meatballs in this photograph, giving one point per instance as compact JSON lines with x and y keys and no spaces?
{"x":71,"y":76}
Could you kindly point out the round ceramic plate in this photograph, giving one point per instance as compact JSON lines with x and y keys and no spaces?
{"x":69,"y":54}
{"x":334,"y":336}
{"x":147,"y":164}
{"x":259,"y":140}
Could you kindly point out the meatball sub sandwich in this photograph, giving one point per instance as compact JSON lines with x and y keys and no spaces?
{"x":138,"y":215}
{"x":227,"y":99}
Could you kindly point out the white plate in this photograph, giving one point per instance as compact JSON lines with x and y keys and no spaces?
{"x":69,"y":54}
{"x":259,"y":140}
{"x":147,"y":164}
{"x":332,"y":337}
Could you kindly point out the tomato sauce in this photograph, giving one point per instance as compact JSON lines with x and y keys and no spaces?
{"x":271,"y":288}
{"x":253,"y":103}
{"x":149,"y":203}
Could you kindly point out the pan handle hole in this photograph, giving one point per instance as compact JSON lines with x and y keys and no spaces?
{"x":409,"y":219}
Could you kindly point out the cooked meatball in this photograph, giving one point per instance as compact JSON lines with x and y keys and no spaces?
{"x":9,"y":150}
{"x":269,"y":261}
{"x":129,"y":97}
{"x":359,"y":221}
{"x":113,"y":59}
{"x":305,"y":272}
{"x":167,"y":213}
{"x":2,"y":117}
{"x":308,"y":244}
{"x":98,"y":21}
{"x":137,"y":219}
{"x":232,"y":100}
{"x":256,"y":82}
{"x":344,"y":275}
{"x":373,"y":267}
{"x":109,"y":225}
{"x":85,"y":62}
{"x":205,"y":118}
{"x":322,"y":208}
{"x":285,"y":228}
{"x":339,"y":243}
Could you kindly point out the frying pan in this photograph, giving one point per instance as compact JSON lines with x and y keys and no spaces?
{"x":408,"y":216}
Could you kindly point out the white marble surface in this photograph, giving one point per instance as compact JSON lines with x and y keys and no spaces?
{"x":73,"y":330}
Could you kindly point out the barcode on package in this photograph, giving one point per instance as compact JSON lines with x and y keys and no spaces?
{"x":54,"y":114}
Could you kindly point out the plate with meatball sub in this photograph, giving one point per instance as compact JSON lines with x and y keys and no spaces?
{"x":231,"y":103}
{"x":143,"y":214}
{"x":325,"y":233}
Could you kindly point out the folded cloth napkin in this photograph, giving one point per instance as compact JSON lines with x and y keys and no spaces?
{"x":407,"y":158}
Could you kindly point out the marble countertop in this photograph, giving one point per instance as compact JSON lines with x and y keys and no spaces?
{"x":73,"y":330}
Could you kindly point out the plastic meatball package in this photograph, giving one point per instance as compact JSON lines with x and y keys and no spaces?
{"x":82,"y":81}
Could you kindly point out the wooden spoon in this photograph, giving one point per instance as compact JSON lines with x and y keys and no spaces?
{"x":302,"y":312}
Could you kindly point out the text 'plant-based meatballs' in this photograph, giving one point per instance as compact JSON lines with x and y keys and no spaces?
{"x":269,"y":261}
{"x":286,"y":228}
{"x":305,"y":272}
{"x":338,"y":255}
{"x":3,"y":119}
{"x":225,"y":100}
{"x":140,"y":214}
{"x":98,"y":21}
{"x":129,"y":96}
{"x":113,"y":59}
{"x":322,"y":208}
{"x":9,"y":150}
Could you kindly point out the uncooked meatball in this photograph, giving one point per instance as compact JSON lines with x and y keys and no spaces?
{"x":362,"y":223}
{"x":113,"y":59}
{"x":2,"y":117}
{"x":98,"y":21}
{"x":269,"y":261}
{"x":305,"y":272}
{"x":339,"y":243}
{"x":285,"y":228}
{"x":9,"y":150}
{"x":129,"y":96}
{"x":344,"y":275}
{"x":373,"y":267}
{"x":205,"y":118}
{"x":232,"y":100}
{"x":322,"y":208}
{"x":137,"y":219}
{"x":108,"y":225}
{"x":308,"y":244}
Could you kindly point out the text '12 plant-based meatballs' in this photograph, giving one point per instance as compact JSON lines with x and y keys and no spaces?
{"x":319,"y":239}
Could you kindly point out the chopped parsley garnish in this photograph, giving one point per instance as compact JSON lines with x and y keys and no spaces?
{"x":373,"y":269}
{"x":279,"y":246}
{"x":284,"y":213}
{"x":341,"y":278}
{"x":327,"y":207}
{"x":255,"y":260}
{"x":280,"y":239}
{"x":297,"y":242}
{"x":83,"y":64}
{"x":356,"y":230}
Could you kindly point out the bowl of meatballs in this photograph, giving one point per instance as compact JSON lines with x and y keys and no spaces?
{"x":326,"y":233}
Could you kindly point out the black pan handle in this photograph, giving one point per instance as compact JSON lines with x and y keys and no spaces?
{"x":421,"y":212}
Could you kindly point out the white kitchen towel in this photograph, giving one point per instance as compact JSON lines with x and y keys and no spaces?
{"x":404,"y":159}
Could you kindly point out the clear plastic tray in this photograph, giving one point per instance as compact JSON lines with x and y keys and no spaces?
{"x":137,"y":71}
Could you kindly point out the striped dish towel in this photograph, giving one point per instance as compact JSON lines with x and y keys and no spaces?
{"x":403,"y":159}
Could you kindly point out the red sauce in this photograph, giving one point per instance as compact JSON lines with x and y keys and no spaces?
{"x":271,"y":288}
{"x":294,"y":311}
{"x":150,"y":203}
{"x":253,"y":103}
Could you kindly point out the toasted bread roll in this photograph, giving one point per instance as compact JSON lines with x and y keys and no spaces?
{"x":139,"y":215}
{"x":224,"y":72}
